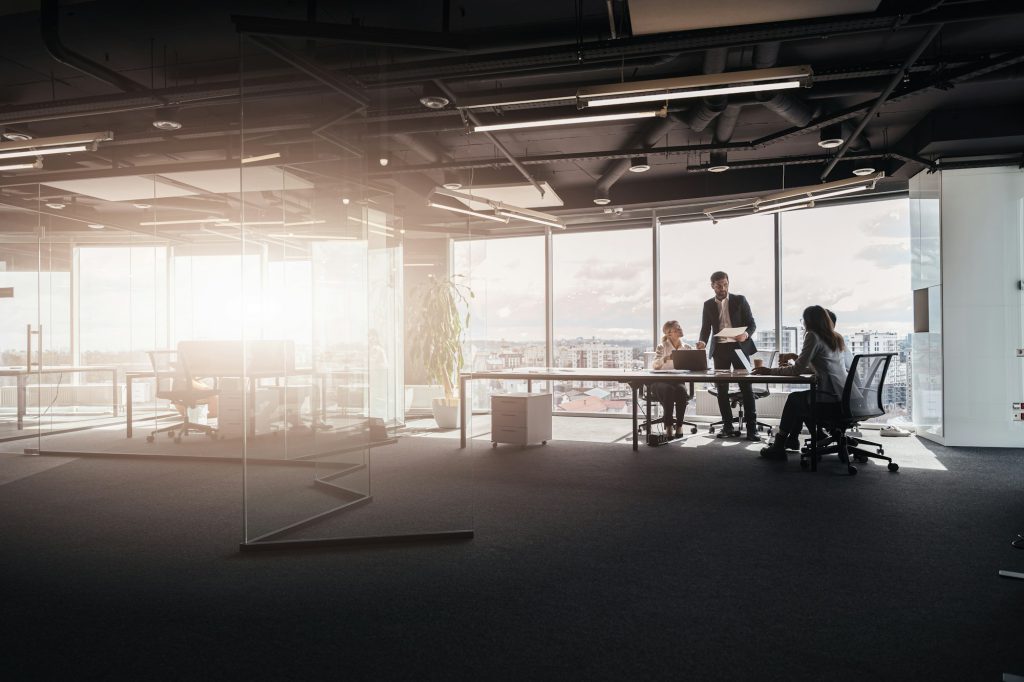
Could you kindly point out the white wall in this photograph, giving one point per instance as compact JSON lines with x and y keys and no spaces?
{"x":982,"y":322}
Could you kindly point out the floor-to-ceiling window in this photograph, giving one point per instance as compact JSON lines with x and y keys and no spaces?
{"x":603,"y":297}
{"x":854,"y":260}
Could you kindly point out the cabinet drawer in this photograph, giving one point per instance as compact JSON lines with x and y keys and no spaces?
{"x":508,"y":404}
{"x":509,"y":434}
{"x":505,"y":417}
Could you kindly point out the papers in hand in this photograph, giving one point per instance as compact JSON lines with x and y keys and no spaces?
{"x":730,"y":333}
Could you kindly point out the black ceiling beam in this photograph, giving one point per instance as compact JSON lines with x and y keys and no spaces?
{"x":343,"y":85}
{"x":573,"y":54}
{"x":345,"y":33}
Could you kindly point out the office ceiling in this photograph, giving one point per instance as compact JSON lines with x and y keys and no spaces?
{"x":333,"y":87}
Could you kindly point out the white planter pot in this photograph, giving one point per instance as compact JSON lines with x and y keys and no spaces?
{"x":446,"y":413}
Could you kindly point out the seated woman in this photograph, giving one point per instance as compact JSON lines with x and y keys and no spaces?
{"x":669,"y":393}
{"x":822,"y":354}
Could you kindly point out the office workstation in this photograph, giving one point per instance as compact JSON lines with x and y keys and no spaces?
{"x":538,"y":324}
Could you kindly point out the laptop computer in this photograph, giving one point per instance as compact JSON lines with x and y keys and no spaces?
{"x":693,"y":360}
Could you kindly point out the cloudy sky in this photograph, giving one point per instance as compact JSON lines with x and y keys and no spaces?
{"x":854,"y":259}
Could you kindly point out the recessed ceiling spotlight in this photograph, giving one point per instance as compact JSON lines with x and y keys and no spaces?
{"x":383,"y":160}
{"x":142,"y":206}
{"x":831,"y":136}
{"x":166,"y":124}
{"x":719,"y":162}
{"x":95,"y":226}
{"x":346,"y":200}
{"x":433,"y":97}
{"x":638,"y":164}
{"x":16,"y":137}
{"x":863,"y":171}
{"x":452,"y":180}
{"x":602,"y":201}
{"x":55,"y":205}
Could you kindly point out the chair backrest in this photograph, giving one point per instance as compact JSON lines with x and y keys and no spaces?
{"x":169,"y":370}
{"x":862,"y":394}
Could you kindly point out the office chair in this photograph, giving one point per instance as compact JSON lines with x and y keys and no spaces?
{"x":175,"y":383}
{"x":862,"y":399}
{"x":648,"y":422}
{"x":760,"y":391}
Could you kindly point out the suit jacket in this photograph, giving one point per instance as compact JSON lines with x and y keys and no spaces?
{"x":739,"y":315}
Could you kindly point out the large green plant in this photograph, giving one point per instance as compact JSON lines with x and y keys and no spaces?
{"x":438,"y":344}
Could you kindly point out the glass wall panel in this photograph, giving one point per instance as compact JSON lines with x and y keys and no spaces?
{"x":318,"y":296}
{"x":855,"y":260}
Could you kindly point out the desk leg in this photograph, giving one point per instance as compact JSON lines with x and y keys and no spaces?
{"x":128,"y":406}
{"x":22,"y":400}
{"x":113,"y":382}
{"x":529,"y":385}
{"x":813,"y":426}
{"x":636,"y":397}
{"x":462,"y":412}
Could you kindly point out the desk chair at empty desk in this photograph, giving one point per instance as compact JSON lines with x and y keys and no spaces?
{"x":225,"y":360}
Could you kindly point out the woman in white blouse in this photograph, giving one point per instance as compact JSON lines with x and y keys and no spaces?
{"x":669,"y":393}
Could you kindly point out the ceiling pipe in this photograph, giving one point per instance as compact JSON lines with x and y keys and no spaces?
{"x":49,"y":22}
{"x":647,"y":138}
{"x":785,"y":105}
{"x":704,"y":112}
{"x":896,"y":80}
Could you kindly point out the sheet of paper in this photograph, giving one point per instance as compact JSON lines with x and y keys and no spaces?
{"x":730,"y":332}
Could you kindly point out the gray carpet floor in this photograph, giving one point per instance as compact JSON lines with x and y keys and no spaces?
{"x":695,"y":561}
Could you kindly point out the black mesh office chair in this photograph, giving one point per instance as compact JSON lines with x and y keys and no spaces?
{"x":175,"y":383}
{"x":760,"y":391}
{"x":643,"y":396}
{"x":862,"y":400}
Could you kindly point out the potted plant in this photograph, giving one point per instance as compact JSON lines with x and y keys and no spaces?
{"x":439,"y":342}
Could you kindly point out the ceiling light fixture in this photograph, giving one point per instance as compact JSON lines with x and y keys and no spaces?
{"x":805,"y":204}
{"x":757,"y":80}
{"x":452,"y":180}
{"x":572,"y":120}
{"x":34,"y":165}
{"x":502,"y":212}
{"x":792,"y":199}
{"x":264,"y":157}
{"x":719,"y":162}
{"x":466,"y":211}
{"x":53,"y":145}
{"x":762,"y":208}
{"x":166,"y":119}
{"x":312,"y":236}
{"x":95,"y":226}
{"x":200,"y":221}
{"x":142,"y":207}
{"x":863,"y":171}
{"x":831,"y":136}
{"x":16,"y":136}
{"x":601,"y":197}
{"x":383,"y":161}
{"x":638,"y":164}
{"x":346,"y":201}
{"x":56,"y":205}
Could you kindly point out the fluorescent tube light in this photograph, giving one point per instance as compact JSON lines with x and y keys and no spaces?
{"x":531,"y":219}
{"x":780,"y":209}
{"x":686,"y":94}
{"x":767,"y":207}
{"x":572,"y":120}
{"x":153,"y":223}
{"x":37,"y":164}
{"x":265,"y":157}
{"x":466,"y":211}
{"x":417,"y":265}
{"x":39,"y":152}
{"x":289,"y":235}
{"x":700,"y":82}
{"x":60,"y":144}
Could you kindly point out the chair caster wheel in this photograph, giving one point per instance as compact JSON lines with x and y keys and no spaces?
{"x":494,"y":445}
{"x":852,"y":470}
{"x":860,"y":459}
{"x":881,"y":451}
{"x":693,"y":430}
{"x":150,"y":439}
{"x":543,"y":442}
{"x":893,"y":466}
{"x":710,"y":430}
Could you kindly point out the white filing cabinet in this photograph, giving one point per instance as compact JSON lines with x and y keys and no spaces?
{"x":520,"y":418}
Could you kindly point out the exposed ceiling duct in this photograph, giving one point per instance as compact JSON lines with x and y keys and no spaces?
{"x":648,"y":137}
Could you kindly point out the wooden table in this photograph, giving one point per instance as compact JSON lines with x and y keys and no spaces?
{"x":22,"y":374}
{"x":635,"y":379}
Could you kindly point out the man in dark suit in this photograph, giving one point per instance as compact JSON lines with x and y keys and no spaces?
{"x":722,"y":312}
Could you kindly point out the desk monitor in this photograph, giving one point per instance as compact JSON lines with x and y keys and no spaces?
{"x":694,"y":360}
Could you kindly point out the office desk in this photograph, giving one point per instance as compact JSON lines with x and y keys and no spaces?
{"x":319,"y":397}
{"x":635,"y":379}
{"x":22,"y":374}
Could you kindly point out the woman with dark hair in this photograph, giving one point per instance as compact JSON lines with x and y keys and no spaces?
{"x":669,"y":393}
{"x":822,"y":354}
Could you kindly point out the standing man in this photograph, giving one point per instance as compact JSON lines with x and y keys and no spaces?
{"x":722,"y":312}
